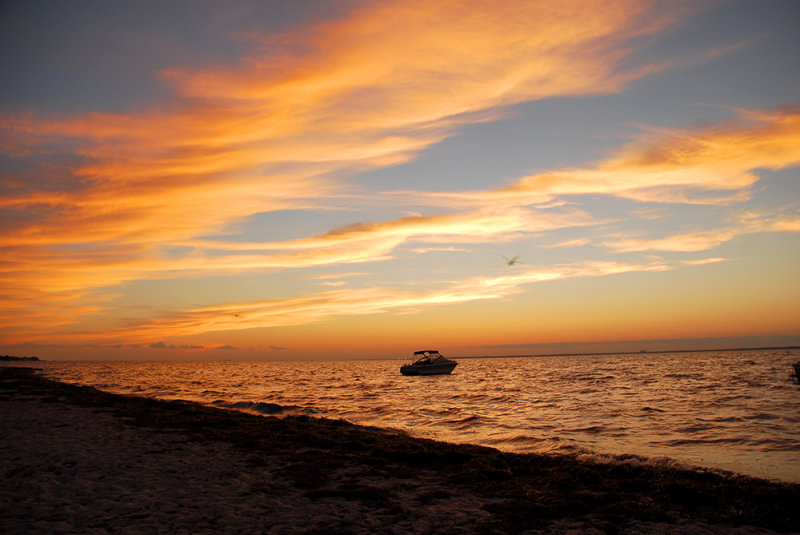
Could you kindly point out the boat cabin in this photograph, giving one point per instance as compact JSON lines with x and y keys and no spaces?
{"x":423,"y":357}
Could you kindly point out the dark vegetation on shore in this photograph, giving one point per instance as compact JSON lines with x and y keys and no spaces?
{"x":11,"y":358}
{"x":525,"y":491}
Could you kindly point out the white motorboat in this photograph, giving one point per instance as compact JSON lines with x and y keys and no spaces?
{"x":428,"y":362}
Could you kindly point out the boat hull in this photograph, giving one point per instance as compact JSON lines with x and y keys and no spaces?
{"x":428,"y":369}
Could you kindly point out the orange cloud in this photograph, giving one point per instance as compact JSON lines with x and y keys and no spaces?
{"x":103,"y":196}
{"x":366,"y":90}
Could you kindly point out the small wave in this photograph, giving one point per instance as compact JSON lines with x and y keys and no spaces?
{"x":694,"y":428}
{"x":723,"y":419}
{"x":703,"y":441}
{"x":725,"y":399}
{"x":592,"y":429}
{"x":593,"y":378}
{"x":253,"y":406}
{"x":761,"y":416}
{"x":464,"y":420}
{"x":684,"y":375}
{"x":554,"y":445}
{"x":639,"y":460}
{"x":462,"y":423}
{"x":652,"y":409}
{"x":517,"y":441}
{"x":779,"y":446}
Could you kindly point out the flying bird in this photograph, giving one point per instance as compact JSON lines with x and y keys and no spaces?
{"x":512,"y":261}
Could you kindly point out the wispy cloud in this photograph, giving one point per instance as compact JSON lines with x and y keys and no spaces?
{"x":680,"y":243}
{"x":321,"y":305}
{"x":577,"y":242}
{"x":705,"y":261}
{"x":703,"y":241}
{"x":450,"y":249}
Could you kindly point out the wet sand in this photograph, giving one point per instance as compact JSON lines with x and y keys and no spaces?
{"x":77,"y":460}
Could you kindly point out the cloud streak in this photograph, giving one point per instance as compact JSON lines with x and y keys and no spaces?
{"x":709,"y":239}
{"x":313,"y":308}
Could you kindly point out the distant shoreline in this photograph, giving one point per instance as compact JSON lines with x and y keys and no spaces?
{"x":643,"y":352}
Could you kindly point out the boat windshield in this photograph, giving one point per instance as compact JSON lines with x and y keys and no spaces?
{"x":424,"y":357}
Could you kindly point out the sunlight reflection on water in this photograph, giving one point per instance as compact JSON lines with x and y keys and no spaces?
{"x":732,"y":410}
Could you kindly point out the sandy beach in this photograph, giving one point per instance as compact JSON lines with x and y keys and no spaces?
{"x":77,"y":460}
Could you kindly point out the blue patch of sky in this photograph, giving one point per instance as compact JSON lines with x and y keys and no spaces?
{"x":87,"y":55}
{"x":176,"y":252}
{"x":193,"y":292}
{"x":288,"y":225}
{"x":279,"y":225}
{"x":533,"y":137}
{"x":763,"y":259}
{"x":763,"y":73}
{"x":776,"y":190}
{"x":12,"y":220}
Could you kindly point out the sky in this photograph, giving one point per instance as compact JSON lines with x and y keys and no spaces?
{"x":362,"y":179}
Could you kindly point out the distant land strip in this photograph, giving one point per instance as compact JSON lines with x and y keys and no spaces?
{"x":642,"y":352}
{"x":11,"y":358}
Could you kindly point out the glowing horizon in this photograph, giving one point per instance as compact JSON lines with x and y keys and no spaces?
{"x":349,"y":180}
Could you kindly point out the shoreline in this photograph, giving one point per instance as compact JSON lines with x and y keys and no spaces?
{"x":226,"y":471}
{"x":626,"y":353}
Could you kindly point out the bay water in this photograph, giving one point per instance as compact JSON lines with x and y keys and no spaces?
{"x":731,"y":410}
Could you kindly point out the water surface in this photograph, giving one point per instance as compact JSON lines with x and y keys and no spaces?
{"x":735,"y":410}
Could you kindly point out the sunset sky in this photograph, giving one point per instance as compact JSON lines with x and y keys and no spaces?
{"x":333,"y":179}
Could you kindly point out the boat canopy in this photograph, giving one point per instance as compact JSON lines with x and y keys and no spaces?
{"x":428,"y":355}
